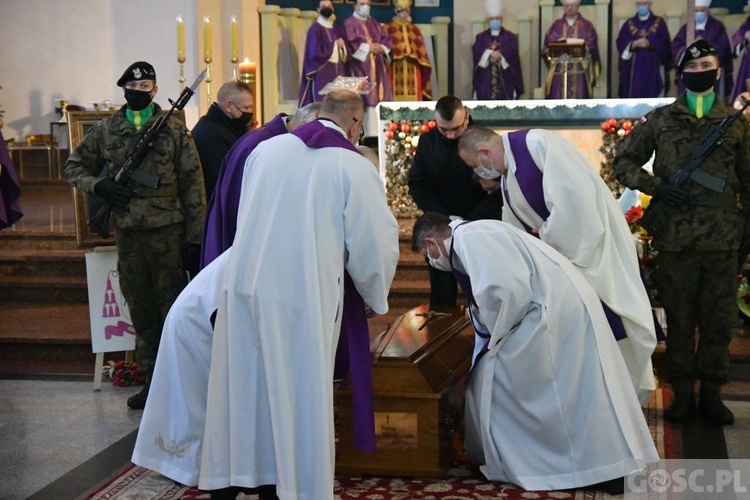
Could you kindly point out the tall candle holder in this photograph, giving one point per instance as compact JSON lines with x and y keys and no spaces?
{"x":207,"y":56}
{"x":234,"y":35}
{"x":181,"y":50}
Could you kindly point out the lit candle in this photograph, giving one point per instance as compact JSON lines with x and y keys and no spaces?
{"x":207,"y":40}
{"x":180,"y":40}
{"x":245,"y":66}
{"x":252,"y":67}
{"x":235,"y":32}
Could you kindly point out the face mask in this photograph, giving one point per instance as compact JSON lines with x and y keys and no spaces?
{"x":137,"y":99}
{"x":443,"y":263}
{"x":642,"y":10}
{"x":326,"y":12}
{"x":699,"y":81}
{"x":241,"y":123}
{"x":487,"y":172}
{"x":364,"y":10}
{"x":700,"y":17}
{"x":495,"y":24}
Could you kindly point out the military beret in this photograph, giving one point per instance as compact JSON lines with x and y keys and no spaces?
{"x":140,"y":70}
{"x":696,"y":50}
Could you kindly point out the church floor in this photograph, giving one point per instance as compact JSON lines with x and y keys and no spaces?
{"x":60,"y":437}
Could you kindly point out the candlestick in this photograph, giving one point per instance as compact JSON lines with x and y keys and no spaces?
{"x":245,"y":69}
{"x":207,"y":40}
{"x":235,"y":38}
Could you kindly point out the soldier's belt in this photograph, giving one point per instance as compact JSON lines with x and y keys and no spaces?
{"x":162,"y":192}
{"x":707,"y":200}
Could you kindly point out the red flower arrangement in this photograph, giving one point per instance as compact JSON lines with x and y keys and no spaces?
{"x":124,"y":373}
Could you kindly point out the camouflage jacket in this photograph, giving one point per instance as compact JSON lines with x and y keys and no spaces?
{"x":714,"y":221}
{"x":173,"y":157}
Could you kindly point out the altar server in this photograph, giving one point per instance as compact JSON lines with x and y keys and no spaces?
{"x":645,"y":54}
{"x":312,"y":211}
{"x":497,"y":65}
{"x":548,"y":403}
{"x":551,"y":191}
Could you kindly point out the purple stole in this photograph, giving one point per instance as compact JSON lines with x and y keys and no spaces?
{"x":529,"y":179}
{"x":10,"y":189}
{"x":353,"y":350}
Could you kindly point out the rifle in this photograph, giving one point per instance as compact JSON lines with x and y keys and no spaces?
{"x":129,"y":171}
{"x":653,"y":219}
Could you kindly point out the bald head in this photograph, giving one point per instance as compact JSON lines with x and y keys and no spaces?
{"x":474,"y":138}
{"x":345,"y":109}
{"x":304,"y":114}
{"x":482,"y":150}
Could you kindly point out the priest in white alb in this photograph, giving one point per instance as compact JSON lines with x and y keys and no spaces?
{"x":551,"y":191}
{"x":312,"y":215}
{"x":549,"y":405}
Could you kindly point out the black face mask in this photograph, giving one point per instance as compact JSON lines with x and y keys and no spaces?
{"x":137,"y":99}
{"x":699,"y":81}
{"x":326,"y":12}
{"x":240,"y":124}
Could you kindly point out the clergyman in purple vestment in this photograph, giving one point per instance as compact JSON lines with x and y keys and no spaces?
{"x":221,"y":214}
{"x":10,"y":189}
{"x":580,"y":79}
{"x":369,"y":45}
{"x":500,"y":79}
{"x":740,"y":42}
{"x":714,"y":32}
{"x":325,"y":54}
{"x":645,"y":55}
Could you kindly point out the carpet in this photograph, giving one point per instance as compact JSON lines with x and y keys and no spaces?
{"x":462,"y":481}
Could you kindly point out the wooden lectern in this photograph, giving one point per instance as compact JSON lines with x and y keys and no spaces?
{"x":418,"y":370}
{"x":568,"y":58}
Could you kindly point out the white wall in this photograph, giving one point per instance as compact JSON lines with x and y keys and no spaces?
{"x":77,"y":49}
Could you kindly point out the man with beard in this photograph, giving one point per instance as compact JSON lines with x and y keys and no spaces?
{"x":439,"y":181}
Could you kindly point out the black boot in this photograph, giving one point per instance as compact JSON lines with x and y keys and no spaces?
{"x":138,"y":401}
{"x":711,"y":407}
{"x":682,"y":406}
{"x":225,"y":493}
{"x":612,"y":487}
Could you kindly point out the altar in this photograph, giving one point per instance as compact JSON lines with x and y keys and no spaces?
{"x":579,"y":120}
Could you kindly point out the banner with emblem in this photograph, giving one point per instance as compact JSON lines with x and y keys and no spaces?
{"x":111,"y":327}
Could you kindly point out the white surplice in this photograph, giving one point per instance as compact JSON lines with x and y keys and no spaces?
{"x":171,"y":430}
{"x":586,"y":225}
{"x":305,"y":215}
{"x":549,"y":405}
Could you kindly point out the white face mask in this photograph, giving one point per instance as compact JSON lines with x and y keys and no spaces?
{"x":487,"y":172}
{"x":443,"y":263}
{"x":364,"y":10}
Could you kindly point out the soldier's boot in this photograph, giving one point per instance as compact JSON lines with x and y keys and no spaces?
{"x":138,"y":401}
{"x":711,"y":407}
{"x":683,"y":404}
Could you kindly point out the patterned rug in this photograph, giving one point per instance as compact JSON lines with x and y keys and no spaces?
{"x":462,"y":481}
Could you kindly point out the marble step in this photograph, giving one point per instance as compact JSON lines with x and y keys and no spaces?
{"x":51,"y":262}
{"x":44,"y":289}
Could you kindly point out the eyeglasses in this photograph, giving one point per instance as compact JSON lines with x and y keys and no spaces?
{"x":453,"y":130}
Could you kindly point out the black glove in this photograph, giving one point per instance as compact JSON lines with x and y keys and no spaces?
{"x":671,"y":195}
{"x":191,"y":258}
{"x":113,"y":193}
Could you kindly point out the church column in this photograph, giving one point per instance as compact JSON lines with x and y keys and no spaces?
{"x":524,"y":49}
{"x":601,"y":23}
{"x":546,"y":18}
{"x":440,"y":44}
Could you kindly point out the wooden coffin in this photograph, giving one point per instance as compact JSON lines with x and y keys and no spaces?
{"x":418,"y":373}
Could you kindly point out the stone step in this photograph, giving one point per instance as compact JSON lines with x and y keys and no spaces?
{"x":12,"y":240}
{"x":42,"y":263}
{"x":44,"y":289}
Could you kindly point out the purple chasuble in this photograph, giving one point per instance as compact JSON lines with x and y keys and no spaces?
{"x":738,"y":40}
{"x":354,"y":341}
{"x":578,"y":86}
{"x":357,"y":32}
{"x":10,"y":189}
{"x":640,"y":75}
{"x":494,"y":82}
{"x":530,"y":180}
{"x":221,"y":213}
{"x":317,"y":70}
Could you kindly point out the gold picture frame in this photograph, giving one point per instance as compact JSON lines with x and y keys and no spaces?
{"x":79,"y":124}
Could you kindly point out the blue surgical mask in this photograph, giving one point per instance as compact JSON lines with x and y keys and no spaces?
{"x":495,"y":24}
{"x":700,"y":17}
{"x":642,"y":10}
{"x":364,"y":11}
{"x":487,"y":173}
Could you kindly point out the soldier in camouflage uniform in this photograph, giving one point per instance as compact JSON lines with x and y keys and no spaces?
{"x":698,"y":246}
{"x":157,"y":231}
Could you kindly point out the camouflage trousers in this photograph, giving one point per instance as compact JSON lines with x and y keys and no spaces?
{"x":698,"y":289}
{"x":151,"y":278}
